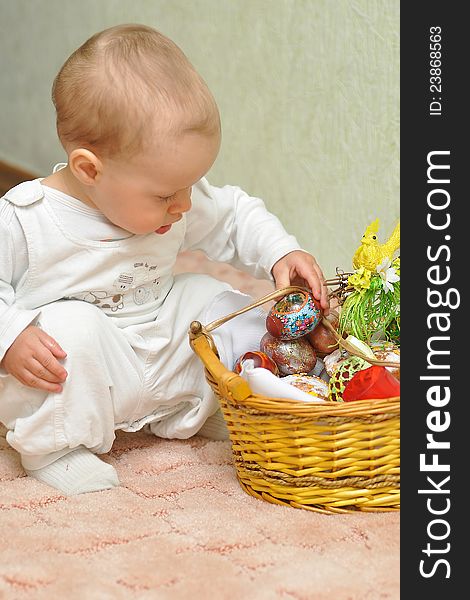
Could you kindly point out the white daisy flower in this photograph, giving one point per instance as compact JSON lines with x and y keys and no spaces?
{"x":387,"y":274}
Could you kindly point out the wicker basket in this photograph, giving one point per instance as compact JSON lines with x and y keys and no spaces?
{"x":329,"y":458}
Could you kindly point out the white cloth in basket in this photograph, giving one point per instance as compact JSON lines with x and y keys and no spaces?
{"x":265,"y":383}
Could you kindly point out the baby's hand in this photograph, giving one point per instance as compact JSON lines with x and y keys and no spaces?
{"x":32,"y":359}
{"x":301,"y":268}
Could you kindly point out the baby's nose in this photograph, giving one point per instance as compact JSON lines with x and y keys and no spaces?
{"x":181,"y":202}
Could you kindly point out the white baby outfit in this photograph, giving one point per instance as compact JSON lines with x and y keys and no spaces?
{"x":122,"y":316}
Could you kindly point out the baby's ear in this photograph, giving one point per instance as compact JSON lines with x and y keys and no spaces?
{"x":85,"y":165}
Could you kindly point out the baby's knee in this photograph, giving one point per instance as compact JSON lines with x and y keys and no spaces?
{"x":71,"y":321}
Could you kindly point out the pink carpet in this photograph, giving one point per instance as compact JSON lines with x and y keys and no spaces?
{"x":181,"y":527}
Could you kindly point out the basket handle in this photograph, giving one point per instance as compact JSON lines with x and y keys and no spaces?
{"x":289,"y":290}
{"x":352,"y":350}
{"x":271,"y":296}
{"x":230,"y":384}
{"x":204,"y":346}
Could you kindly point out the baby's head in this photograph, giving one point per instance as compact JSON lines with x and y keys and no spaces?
{"x":139,"y":126}
{"x":127,"y":88}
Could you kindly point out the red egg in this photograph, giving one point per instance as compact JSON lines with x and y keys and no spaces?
{"x":260,"y":359}
{"x":372,"y":383}
{"x":291,"y":356}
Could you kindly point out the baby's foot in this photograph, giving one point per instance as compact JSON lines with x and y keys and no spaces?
{"x":77,"y":472}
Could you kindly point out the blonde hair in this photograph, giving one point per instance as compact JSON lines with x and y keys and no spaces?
{"x":124,"y":86}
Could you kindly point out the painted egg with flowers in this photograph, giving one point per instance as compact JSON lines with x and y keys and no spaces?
{"x":293,"y":316}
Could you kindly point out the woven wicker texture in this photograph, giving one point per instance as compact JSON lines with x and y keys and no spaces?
{"x":333,"y":457}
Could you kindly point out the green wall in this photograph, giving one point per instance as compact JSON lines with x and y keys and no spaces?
{"x":308,"y":92}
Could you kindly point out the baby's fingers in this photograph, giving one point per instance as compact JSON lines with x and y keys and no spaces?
{"x":313,"y":277}
{"x":30,"y":379}
{"x":50,"y":371}
{"x":324,"y":298}
{"x":46,"y":362}
{"x":281,"y":276}
{"x":51,"y":344}
{"x":319,"y":290}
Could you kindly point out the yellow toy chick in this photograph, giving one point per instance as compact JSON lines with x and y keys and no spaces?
{"x":370,"y":253}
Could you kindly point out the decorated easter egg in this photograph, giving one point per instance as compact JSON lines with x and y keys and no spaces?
{"x":293,"y":316}
{"x":291,"y":356}
{"x":260,"y":359}
{"x":310,"y":384}
{"x":388,"y":351}
{"x":322,"y":339}
{"x":343,"y":375}
{"x":371,"y":384}
{"x":333,"y":360}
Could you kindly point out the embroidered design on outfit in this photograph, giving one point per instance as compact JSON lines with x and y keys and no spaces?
{"x":114,"y":303}
{"x":141,"y":283}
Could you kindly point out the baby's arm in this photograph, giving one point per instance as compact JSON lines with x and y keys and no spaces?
{"x":231,"y":226}
{"x":26,"y":352}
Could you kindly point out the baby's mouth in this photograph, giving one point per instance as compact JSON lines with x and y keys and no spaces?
{"x":163,"y":229}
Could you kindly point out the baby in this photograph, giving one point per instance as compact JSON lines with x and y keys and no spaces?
{"x":93,"y":323}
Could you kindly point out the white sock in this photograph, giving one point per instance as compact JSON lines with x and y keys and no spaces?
{"x":215,"y":428}
{"x":77,"y":472}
